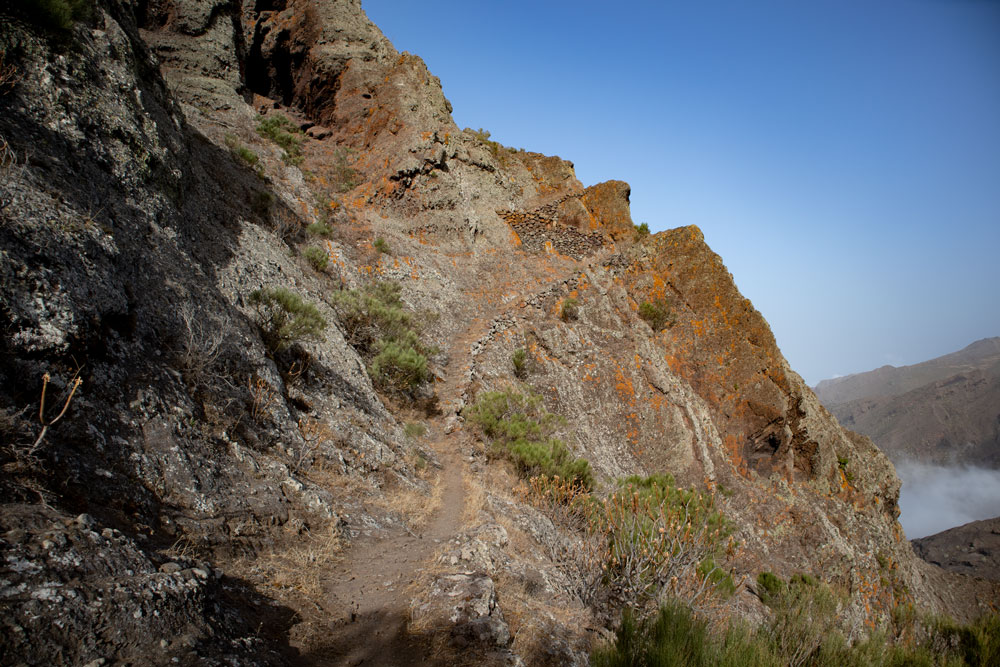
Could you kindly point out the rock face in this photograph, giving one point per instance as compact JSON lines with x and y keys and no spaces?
{"x":972,"y":549}
{"x":141,"y":210}
{"x":945,"y":411}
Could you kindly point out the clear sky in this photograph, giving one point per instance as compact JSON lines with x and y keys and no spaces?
{"x":842,"y":156}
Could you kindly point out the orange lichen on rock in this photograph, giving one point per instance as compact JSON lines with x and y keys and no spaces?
{"x":608,"y":204}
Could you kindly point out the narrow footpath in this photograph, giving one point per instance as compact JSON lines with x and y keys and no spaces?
{"x":369,"y":594}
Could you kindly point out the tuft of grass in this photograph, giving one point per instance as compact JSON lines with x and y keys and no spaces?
{"x":570,"y":310}
{"x":500,"y":152}
{"x":381,"y":245}
{"x":520,"y":361}
{"x":316,"y":257}
{"x":344,"y":177}
{"x":242,"y":153}
{"x":279,"y":129}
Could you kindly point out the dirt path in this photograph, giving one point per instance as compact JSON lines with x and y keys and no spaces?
{"x":368,"y":593}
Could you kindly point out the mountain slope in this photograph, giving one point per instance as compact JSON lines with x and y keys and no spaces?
{"x":944,"y":411}
{"x":889,"y":381}
{"x":211,"y":496}
{"x":971,"y":549}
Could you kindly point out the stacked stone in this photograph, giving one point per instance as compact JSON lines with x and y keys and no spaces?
{"x":539,"y":227}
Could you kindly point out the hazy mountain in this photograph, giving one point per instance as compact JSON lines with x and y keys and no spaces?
{"x":944,"y":411}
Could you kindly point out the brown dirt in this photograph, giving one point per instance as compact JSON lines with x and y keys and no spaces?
{"x":363,"y":615}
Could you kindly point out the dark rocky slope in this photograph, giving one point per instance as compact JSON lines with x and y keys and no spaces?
{"x":972,"y":549}
{"x":193,"y":500}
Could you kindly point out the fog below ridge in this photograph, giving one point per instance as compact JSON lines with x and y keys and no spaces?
{"x":935,"y":498}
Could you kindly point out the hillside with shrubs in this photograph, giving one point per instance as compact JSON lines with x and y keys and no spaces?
{"x":296,"y":371}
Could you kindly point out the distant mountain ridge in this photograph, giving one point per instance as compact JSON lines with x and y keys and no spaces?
{"x":943,"y":411}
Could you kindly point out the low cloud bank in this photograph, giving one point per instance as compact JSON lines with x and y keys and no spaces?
{"x":935,"y":498}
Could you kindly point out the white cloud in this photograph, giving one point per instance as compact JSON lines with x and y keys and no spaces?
{"x":935,"y":498}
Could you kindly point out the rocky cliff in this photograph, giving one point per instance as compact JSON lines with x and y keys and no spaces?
{"x":208,"y":495}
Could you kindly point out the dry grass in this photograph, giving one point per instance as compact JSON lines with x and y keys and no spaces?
{"x":297,"y":566}
{"x":327,"y":475}
{"x":534,"y":621}
{"x":475,"y":500}
{"x":411,"y":504}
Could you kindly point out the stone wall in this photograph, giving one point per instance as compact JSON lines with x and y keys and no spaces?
{"x":540,"y":230}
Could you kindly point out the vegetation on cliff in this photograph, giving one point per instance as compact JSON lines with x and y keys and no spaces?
{"x":801,"y":632}
{"x":378,"y":324}
{"x":520,"y":429}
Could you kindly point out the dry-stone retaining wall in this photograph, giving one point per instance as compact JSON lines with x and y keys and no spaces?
{"x":540,"y":228}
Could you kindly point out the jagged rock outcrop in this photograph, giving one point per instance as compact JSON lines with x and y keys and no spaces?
{"x":141,"y":209}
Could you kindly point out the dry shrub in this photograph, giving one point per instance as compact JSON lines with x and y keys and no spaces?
{"x":10,"y":75}
{"x":201,"y":338}
{"x":644,"y":542}
{"x":534,"y":621}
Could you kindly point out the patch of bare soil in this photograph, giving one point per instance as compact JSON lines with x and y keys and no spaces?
{"x":357,"y":608}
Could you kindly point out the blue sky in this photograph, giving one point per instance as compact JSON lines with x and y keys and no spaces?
{"x":842,"y":157}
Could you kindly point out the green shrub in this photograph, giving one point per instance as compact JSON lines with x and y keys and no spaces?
{"x":372,"y":313}
{"x":285,"y":318}
{"x":981,"y":642}
{"x":676,"y":637}
{"x":320,"y":228}
{"x":54,"y":14}
{"x":520,"y":361}
{"x":656,"y":313}
{"x":414,"y":430}
{"x":279,"y":129}
{"x":570,"y":310}
{"x":663,"y":538}
{"x":641,"y":231}
{"x":381,"y":245}
{"x":399,"y":367}
{"x":520,"y":428}
{"x":317,"y":257}
{"x":377,"y":324}
{"x":803,"y":613}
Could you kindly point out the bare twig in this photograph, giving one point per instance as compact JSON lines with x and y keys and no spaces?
{"x":41,"y":410}
{"x":10,"y":75}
